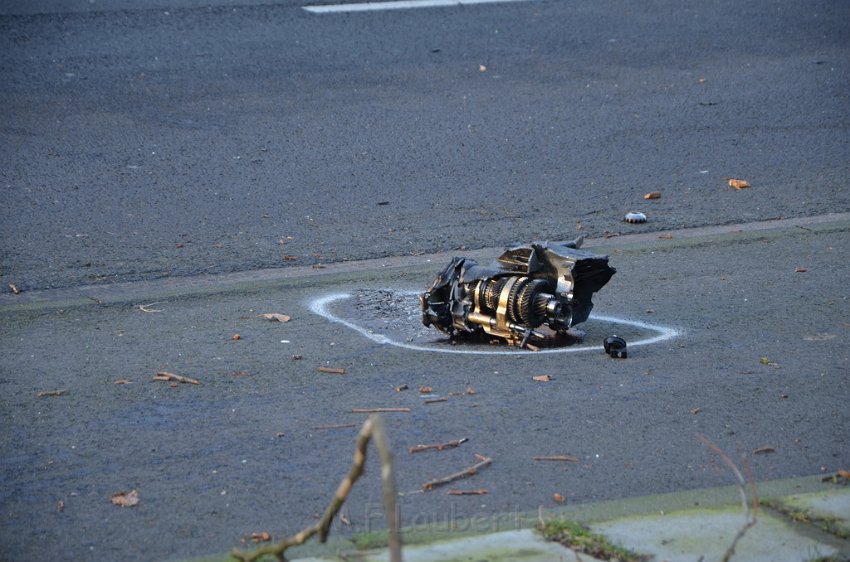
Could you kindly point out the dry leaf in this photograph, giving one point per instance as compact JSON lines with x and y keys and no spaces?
{"x":559,"y":498}
{"x":235,"y":337}
{"x":44,"y":393}
{"x":469,"y":391}
{"x":739,"y":184}
{"x":844,"y":474}
{"x":425,"y":390}
{"x":290,"y":257}
{"x":695,"y":411}
{"x":541,"y":378}
{"x":276,"y":316}
{"x":799,"y":269}
{"x":763,"y":450}
{"x":14,"y":289}
{"x":665,"y":236}
{"x":171,"y":377}
{"x":260,"y":537}
{"x":653,"y":195}
{"x":126,"y":499}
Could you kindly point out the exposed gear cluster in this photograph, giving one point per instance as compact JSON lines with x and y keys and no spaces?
{"x":527,"y":287}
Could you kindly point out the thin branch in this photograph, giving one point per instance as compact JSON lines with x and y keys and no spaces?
{"x":471,"y":471}
{"x":378,"y":410}
{"x":438,"y":446}
{"x":565,"y":458}
{"x":749,"y":514}
{"x":146,"y":307}
{"x":373,"y":428}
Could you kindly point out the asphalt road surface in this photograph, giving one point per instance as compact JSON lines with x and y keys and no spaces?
{"x":166,"y":142}
{"x":149,"y":139}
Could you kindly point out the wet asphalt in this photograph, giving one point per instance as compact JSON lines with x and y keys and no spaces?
{"x":170,"y":153}
{"x":151,"y":139}
{"x":244,"y":451}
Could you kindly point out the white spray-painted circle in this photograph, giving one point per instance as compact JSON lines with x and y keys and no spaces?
{"x":322,"y":306}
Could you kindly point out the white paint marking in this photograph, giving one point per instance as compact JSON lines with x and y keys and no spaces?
{"x":319,"y":306}
{"x":397,"y":5}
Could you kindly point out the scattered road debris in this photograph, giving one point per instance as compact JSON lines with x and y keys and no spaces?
{"x":800,"y":269}
{"x":14,"y":289}
{"x":615,"y":346}
{"x":297,"y":357}
{"x":478,"y":492}
{"x":147,"y":307}
{"x":695,"y":411}
{"x":235,"y":337}
{"x":768,"y":362}
{"x":635,"y":218}
{"x":378,"y":410}
{"x":171,"y":377}
{"x":541,"y":378}
{"x":564,"y":458}
{"x":260,"y":537}
{"x":738,"y":184}
{"x":653,"y":195}
{"x":332,"y":370}
{"x":46,"y":393}
{"x":274,"y":316}
{"x":525,"y":288}
{"x":122,"y":381}
{"x":125,"y":499}
{"x":279,"y":434}
{"x":437,"y":446}
{"x":665,"y":236}
{"x":763,"y":450}
{"x":435,"y":400}
{"x":60,"y":506}
{"x":425,"y":390}
{"x":334,"y":426}
{"x":401,"y":387}
{"x":558,"y":498}
{"x":289,"y":257}
{"x":471,"y":471}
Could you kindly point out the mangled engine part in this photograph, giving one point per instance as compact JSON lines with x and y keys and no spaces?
{"x":525,"y":288}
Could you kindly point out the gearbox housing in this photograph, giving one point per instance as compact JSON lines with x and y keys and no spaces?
{"x":527,"y":289}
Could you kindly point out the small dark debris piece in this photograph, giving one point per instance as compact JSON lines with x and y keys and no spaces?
{"x":615,"y":346}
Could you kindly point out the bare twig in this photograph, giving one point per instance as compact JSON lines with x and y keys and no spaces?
{"x":332,"y":370}
{"x":435,"y":400}
{"x":437,"y":446}
{"x":471,"y":471}
{"x":334,"y":426}
{"x":566,"y":458}
{"x":478,"y":492}
{"x":45,"y":393}
{"x":378,"y":410}
{"x":373,"y":428}
{"x":750,"y":514}
{"x":171,"y":377}
{"x":146,"y":307}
